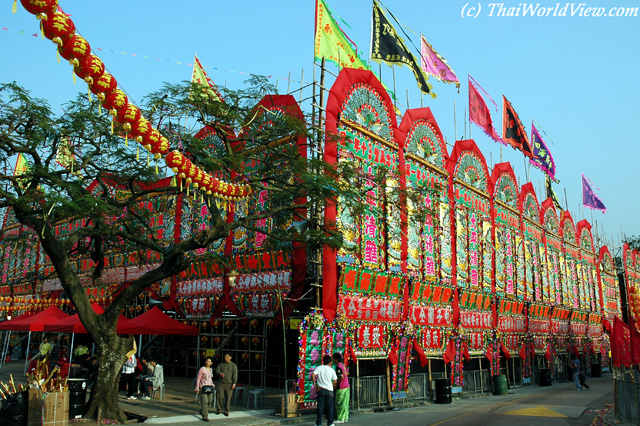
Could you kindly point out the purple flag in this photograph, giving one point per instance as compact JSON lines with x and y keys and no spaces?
{"x":589,"y":198}
{"x":542,"y":158}
{"x":435,"y":64}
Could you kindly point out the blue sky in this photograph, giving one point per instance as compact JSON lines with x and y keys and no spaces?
{"x":577,"y":76}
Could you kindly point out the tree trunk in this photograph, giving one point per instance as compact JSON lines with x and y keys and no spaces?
{"x":103,"y":403}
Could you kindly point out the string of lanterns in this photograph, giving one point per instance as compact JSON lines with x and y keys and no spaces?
{"x":60,"y":29}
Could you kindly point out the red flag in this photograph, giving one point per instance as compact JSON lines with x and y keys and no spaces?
{"x":450,"y":353}
{"x":620,"y":343}
{"x":479,"y":112}
{"x":421,"y":355}
{"x":512,"y":129}
{"x":393,"y":355}
{"x":505,"y":351}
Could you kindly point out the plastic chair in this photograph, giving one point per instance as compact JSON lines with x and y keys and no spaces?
{"x":154,"y":390}
{"x":259,"y":392}
{"x":239,"y":389}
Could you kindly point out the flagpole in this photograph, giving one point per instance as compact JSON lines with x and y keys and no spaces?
{"x":465,"y":124}
{"x":455,"y":125}
{"x":566,"y":202}
{"x":393,"y":71}
{"x":289,"y":80}
{"x":301,"y":86}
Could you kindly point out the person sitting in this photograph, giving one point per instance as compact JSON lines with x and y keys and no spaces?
{"x":91,"y":367}
{"x":146,"y":370}
{"x":154,"y":381}
{"x":16,"y":354}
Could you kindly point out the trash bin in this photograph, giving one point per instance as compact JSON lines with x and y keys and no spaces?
{"x":545,"y":377}
{"x":77,"y":397}
{"x":500,"y":384}
{"x":596,"y":370}
{"x":13,"y":411}
{"x":443,"y":391}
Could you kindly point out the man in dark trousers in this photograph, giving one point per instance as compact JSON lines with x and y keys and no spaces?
{"x":227,"y":373}
{"x":325,"y":381}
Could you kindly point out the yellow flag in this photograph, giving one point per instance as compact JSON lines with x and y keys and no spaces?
{"x":200,"y":77}
{"x":332,"y":43}
{"x":22,"y":168}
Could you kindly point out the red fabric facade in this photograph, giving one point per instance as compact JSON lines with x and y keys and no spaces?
{"x":620,"y":343}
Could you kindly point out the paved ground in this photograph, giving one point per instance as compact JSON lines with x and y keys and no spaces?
{"x":557,"y":405}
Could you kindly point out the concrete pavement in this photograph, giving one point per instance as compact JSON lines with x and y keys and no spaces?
{"x":540,"y":405}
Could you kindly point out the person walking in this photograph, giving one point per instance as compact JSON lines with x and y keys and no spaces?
{"x":325,"y":381}
{"x":583,"y":380}
{"x":227,"y":379}
{"x":204,"y":387}
{"x":575,"y":365}
{"x":342,"y":391}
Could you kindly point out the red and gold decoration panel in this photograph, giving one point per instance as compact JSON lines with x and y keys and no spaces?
{"x":609,"y":285}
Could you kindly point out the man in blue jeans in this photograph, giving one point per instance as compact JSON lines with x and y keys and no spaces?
{"x":575,"y":365}
{"x":325,"y":381}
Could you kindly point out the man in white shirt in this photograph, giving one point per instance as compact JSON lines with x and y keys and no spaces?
{"x":325,"y":381}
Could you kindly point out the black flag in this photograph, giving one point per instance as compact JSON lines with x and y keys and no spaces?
{"x":551,"y":193}
{"x":388,"y":47}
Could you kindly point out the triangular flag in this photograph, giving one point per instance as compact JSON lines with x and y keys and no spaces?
{"x":387,"y":46}
{"x":332,"y":43}
{"x":589,"y":197}
{"x":551,"y":193}
{"x":479,"y":112}
{"x":22,"y":168}
{"x":434,"y":64}
{"x":542,"y":158}
{"x":512,"y":129}
{"x":200,"y":77}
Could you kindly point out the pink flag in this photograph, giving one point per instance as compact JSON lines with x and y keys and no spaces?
{"x":479,"y":112}
{"x":435,"y":64}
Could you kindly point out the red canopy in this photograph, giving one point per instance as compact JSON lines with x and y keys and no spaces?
{"x":37,"y":322}
{"x":156,"y":322}
{"x":72,"y":324}
{"x":6,"y":325}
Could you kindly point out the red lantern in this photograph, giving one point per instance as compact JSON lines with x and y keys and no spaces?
{"x":173,"y":160}
{"x":130,"y":114}
{"x":207,"y":180}
{"x":151,"y":139}
{"x":90,"y":70}
{"x":192,"y":172}
{"x":58,"y":27}
{"x":161,"y":147}
{"x":75,"y":49}
{"x":140,"y":129}
{"x":104,"y":86}
{"x":197,"y":179}
{"x":184,"y":167}
{"x":116,"y":103}
{"x":39,"y":7}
